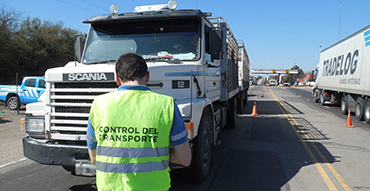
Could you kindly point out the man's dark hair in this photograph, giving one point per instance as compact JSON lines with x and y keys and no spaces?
{"x":130,"y":67}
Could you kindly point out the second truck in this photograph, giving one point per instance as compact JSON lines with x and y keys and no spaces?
{"x":190,"y":55}
{"x":341,"y":76}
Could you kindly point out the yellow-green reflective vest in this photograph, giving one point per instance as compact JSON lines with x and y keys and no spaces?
{"x":132,"y":129}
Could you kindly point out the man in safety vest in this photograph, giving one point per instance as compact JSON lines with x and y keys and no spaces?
{"x":130,"y":132}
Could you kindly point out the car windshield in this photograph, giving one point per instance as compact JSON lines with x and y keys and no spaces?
{"x":172,"y":40}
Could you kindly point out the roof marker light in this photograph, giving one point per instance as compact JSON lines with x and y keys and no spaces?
{"x":114,"y":9}
{"x":172,"y":4}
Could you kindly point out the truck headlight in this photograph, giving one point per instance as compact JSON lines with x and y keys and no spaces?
{"x":35,"y":125}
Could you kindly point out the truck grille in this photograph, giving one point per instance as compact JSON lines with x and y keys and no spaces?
{"x":70,"y":107}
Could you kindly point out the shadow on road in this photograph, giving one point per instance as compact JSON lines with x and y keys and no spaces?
{"x":263,"y":153}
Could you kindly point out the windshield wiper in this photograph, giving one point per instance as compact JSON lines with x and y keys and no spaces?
{"x":102,"y":62}
{"x":161,"y":58}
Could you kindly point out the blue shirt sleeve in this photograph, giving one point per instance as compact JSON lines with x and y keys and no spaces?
{"x":178,"y":134}
{"x":90,"y":136}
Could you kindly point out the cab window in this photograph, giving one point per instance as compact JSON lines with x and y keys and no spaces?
{"x":42,"y":84}
{"x":31,"y":83}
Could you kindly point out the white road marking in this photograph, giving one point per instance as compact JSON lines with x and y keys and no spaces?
{"x":14,"y":162}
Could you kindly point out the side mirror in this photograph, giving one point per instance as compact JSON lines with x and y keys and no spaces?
{"x":216,"y":44}
{"x":79,"y":46}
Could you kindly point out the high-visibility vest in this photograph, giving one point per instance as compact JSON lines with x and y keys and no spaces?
{"x":132,"y":129}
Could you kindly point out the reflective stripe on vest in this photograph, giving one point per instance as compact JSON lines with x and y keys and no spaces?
{"x":132,"y":167}
{"x":132,"y":152}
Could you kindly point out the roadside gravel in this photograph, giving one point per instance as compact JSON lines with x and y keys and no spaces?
{"x":10,"y":134}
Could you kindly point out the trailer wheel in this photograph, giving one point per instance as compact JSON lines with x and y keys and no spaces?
{"x":367,"y":112}
{"x":201,"y":159}
{"x":344,"y":104}
{"x":13,"y":103}
{"x":231,"y":114}
{"x":315,"y":95}
{"x":359,"y":111}
{"x":245,"y":94}
{"x":322,"y":98}
{"x":240,"y":101}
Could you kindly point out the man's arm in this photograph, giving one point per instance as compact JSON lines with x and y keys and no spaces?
{"x":92,"y":154}
{"x":181,"y":154}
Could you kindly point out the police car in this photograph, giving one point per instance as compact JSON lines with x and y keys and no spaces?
{"x":29,"y":91}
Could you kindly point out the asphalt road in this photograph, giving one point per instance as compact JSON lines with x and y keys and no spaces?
{"x":293,"y":144}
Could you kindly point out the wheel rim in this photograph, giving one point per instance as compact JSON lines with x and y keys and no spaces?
{"x":357,"y":112}
{"x":206,"y":150}
{"x":367,"y":112}
{"x":12,"y":103}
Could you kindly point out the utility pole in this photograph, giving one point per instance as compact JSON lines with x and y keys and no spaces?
{"x":340,"y":18}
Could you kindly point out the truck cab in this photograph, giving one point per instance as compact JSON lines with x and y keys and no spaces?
{"x":191,"y":56}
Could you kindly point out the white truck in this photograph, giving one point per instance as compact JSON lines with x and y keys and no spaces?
{"x":190,"y":55}
{"x":341,"y":75}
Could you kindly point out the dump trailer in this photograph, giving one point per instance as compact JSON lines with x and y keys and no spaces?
{"x":243,"y":64}
{"x":191,"y":56}
{"x":341,"y":75}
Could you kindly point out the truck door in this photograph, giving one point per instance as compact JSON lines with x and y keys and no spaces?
{"x":31,"y":90}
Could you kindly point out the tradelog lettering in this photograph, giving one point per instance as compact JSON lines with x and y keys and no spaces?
{"x":341,"y":65}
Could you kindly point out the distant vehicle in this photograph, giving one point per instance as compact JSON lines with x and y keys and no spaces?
{"x":310,"y":83}
{"x":301,"y":84}
{"x":28,"y":92}
{"x":342,"y":75}
{"x":286,"y":84}
{"x":272,"y":83}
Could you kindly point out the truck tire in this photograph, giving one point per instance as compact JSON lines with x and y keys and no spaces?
{"x":315,"y":95}
{"x":344,"y":104}
{"x":231,"y":114}
{"x":322,"y":98}
{"x":201,"y":159}
{"x":13,"y":103}
{"x":367,"y":111}
{"x":245,"y":94}
{"x":240,"y":104}
{"x":359,"y":111}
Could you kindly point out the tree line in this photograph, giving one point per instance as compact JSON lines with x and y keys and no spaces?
{"x":31,"y":46}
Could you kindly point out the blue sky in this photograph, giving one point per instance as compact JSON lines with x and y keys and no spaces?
{"x":277,"y":34}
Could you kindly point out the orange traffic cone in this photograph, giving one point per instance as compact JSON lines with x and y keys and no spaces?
{"x":261,"y":93}
{"x":349,"y":121}
{"x":254,"y":110}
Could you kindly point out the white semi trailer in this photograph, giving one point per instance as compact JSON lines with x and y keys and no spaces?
{"x":190,"y":55}
{"x":342,"y":75}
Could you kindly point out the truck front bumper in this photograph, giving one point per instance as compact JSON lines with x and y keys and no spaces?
{"x":54,"y":154}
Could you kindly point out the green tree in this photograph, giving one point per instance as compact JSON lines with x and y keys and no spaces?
{"x":32,"y":46}
{"x":293,"y":77}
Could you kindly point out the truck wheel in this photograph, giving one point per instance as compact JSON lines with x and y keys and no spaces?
{"x":201,"y":159}
{"x":231,"y":114}
{"x":322,"y":98}
{"x":240,"y":104}
{"x":367,"y":112}
{"x":245,"y":94}
{"x":344,"y":104}
{"x":13,"y":103}
{"x":359,"y":111}
{"x":315,"y":95}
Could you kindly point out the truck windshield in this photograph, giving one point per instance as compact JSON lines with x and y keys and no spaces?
{"x":170,"y":39}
